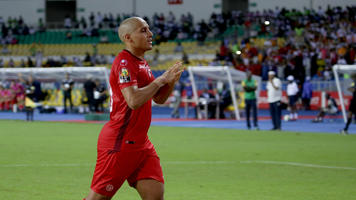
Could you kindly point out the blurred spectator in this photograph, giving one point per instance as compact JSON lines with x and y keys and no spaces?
{"x":22,"y":63}
{"x":67,"y":22}
{"x":1,"y":63}
{"x":250,"y":86}
{"x":100,"y":96}
{"x":207,"y":100}
{"x":331,"y":109}
{"x":29,"y":62}
{"x":185,"y":58}
{"x":5,"y":97}
{"x":307,"y":93}
{"x":68,"y":35}
{"x":37,"y":94}
{"x":5,"y":50}
{"x":77,"y":62}
{"x":292,"y":93}
{"x":11,"y":63}
{"x":67,"y":87}
{"x":179,"y":47}
{"x":225,"y":101}
{"x":89,"y":86}
{"x":29,"y":100}
{"x":274,"y":97}
{"x":177,"y":94}
{"x":18,"y":90}
{"x":39,"y":58}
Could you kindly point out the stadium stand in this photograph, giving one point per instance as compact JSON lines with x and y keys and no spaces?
{"x":302,"y":43}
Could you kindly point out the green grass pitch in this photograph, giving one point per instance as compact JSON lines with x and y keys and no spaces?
{"x":55,"y":161}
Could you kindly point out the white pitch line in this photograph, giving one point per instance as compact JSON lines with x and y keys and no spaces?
{"x":47,"y":165}
{"x":295,"y":164}
{"x":86,"y":164}
{"x":202,"y":162}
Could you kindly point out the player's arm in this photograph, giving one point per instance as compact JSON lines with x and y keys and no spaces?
{"x":275,"y":83}
{"x":164,"y":92}
{"x":135,"y":97}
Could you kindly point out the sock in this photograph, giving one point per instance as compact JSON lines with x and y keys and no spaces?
{"x":349,"y":120}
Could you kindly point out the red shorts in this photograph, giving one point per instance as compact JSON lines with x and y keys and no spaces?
{"x":113,"y":168}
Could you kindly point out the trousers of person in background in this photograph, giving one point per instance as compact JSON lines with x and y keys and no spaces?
{"x":177,"y":94}
{"x":276,"y":113}
{"x":176,"y":103}
{"x":89,"y":87}
{"x":67,"y":96}
{"x":29,"y":113}
{"x":251,"y":104}
{"x":274,"y":97}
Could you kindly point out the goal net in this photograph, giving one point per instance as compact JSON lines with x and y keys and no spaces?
{"x":343,"y":85}
{"x":200,"y":76}
{"x":51,"y":80}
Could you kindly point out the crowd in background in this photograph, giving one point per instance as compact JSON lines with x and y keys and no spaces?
{"x":312,"y":40}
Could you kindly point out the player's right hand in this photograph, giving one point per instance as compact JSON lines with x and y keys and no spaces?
{"x":172,"y":74}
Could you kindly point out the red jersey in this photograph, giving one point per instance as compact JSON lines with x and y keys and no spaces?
{"x":127,"y":128}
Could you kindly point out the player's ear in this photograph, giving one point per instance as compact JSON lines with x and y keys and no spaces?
{"x":127,"y":37}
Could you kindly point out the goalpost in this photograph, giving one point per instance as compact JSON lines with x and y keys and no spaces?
{"x":57,"y":73}
{"x":51,"y":80}
{"x":225,"y":74}
{"x":342,"y":69}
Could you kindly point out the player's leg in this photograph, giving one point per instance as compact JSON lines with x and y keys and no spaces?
{"x":150,"y":189}
{"x":111,"y":170}
{"x":95,"y":196}
{"x":148,"y":177}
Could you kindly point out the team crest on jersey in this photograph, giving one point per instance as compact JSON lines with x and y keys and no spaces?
{"x":109,"y":188}
{"x":124,"y":76}
{"x":123,"y":62}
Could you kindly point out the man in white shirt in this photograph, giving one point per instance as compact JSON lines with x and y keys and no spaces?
{"x":274,"y":97}
{"x":292,"y":93}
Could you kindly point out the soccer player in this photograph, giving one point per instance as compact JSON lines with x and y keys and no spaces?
{"x":352,"y":107}
{"x":124,"y":151}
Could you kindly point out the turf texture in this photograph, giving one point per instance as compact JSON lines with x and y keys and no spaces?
{"x":55,"y":161}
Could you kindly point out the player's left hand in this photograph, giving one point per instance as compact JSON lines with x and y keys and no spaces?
{"x":178,"y":69}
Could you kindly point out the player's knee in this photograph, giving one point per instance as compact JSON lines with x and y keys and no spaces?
{"x":156,"y":194}
{"x":95,"y":196}
{"x":154,"y":197}
{"x":98,"y":198}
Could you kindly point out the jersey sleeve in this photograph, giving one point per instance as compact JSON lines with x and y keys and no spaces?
{"x":126,"y":73}
{"x":152,"y":77}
